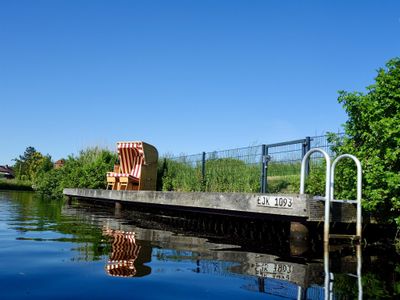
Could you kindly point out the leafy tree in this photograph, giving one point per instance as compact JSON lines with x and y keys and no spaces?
{"x":29,"y":152}
{"x":373,"y":135}
{"x":32,"y":162}
{"x":21,"y":165}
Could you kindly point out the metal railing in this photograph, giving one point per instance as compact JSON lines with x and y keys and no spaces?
{"x":268,"y":160}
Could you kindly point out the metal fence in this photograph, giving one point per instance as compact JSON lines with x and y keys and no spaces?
{"x":271,"y":160}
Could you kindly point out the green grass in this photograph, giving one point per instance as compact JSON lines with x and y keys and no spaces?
{"x":289,"y":184}
{"x":16,"y":185}
{"x":226,"y":175}
{"x":284,"y":168}
{"x":233,"y":175}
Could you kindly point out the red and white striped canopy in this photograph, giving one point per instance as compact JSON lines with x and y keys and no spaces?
{"x":130,"y":145}
{"x":131,"y":159}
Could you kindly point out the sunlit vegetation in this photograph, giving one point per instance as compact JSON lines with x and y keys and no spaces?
{"x":36,"y":171}
{"x":15,"y":185}
{"x":86,"y":170}
{"x":225,"y":175}
{"x":373,"y":135}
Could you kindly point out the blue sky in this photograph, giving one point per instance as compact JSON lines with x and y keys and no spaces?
{"x":185,"y":76}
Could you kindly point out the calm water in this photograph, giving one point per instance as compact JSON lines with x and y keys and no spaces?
{"x":51,"y":250}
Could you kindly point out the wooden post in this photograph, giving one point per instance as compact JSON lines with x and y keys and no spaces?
{"x":298,"y":231}
{"x":299,"y":238}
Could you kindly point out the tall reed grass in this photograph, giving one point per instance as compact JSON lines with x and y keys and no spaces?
{"x":226,"y":175}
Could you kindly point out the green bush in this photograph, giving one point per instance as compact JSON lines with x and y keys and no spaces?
{"x":87,"y":170}
{"x":373,"y":135}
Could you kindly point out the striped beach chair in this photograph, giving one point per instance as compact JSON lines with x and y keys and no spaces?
{"x":137,"y":169}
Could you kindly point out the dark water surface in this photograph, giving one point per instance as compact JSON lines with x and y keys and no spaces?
{"x":51,"y":250}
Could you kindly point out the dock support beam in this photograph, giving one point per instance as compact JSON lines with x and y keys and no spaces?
{"x":118,"y":208}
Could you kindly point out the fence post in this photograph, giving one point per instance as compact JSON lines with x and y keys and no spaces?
{"x":305,"y":148}
{"x":264,"y":169}
{"x":203,"y":171}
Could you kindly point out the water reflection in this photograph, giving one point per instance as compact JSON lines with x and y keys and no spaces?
{"x":293,"y":277}
{"x":179,"y":251}
{"x":124,"y":252}
{"x":329,"y":281}
{"x":264,"y":273}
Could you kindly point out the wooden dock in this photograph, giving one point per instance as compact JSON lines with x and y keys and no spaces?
{"x":289,"y":207}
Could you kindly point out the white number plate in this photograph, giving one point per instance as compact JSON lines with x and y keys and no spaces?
{"x":275,"y":201}
{"x":274,"y":270}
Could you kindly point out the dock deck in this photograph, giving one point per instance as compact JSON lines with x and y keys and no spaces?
{"x":291,"y":207}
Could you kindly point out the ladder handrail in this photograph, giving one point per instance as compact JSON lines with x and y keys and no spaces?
{"x":330,"y":187}
{"x":327,"y":185}
{"x":359,"y":186}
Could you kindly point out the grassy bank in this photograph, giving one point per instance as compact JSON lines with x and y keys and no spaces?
{"x":15,"y":185}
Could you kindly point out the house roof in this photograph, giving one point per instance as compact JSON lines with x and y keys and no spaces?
{"x":6,"y":170}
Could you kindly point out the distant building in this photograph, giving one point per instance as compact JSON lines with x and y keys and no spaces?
{"x":7,"y":172}
{"x":59,"y":163}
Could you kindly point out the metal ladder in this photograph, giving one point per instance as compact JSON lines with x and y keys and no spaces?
{"x":329,"y":191}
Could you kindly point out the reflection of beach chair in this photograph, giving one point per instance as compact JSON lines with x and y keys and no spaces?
{"x":137,"y":169}
{"x":124,"y":253}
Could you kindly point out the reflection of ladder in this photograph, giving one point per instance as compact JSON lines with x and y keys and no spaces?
{"x":329,"y":278}
{"x":329,"y":191}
